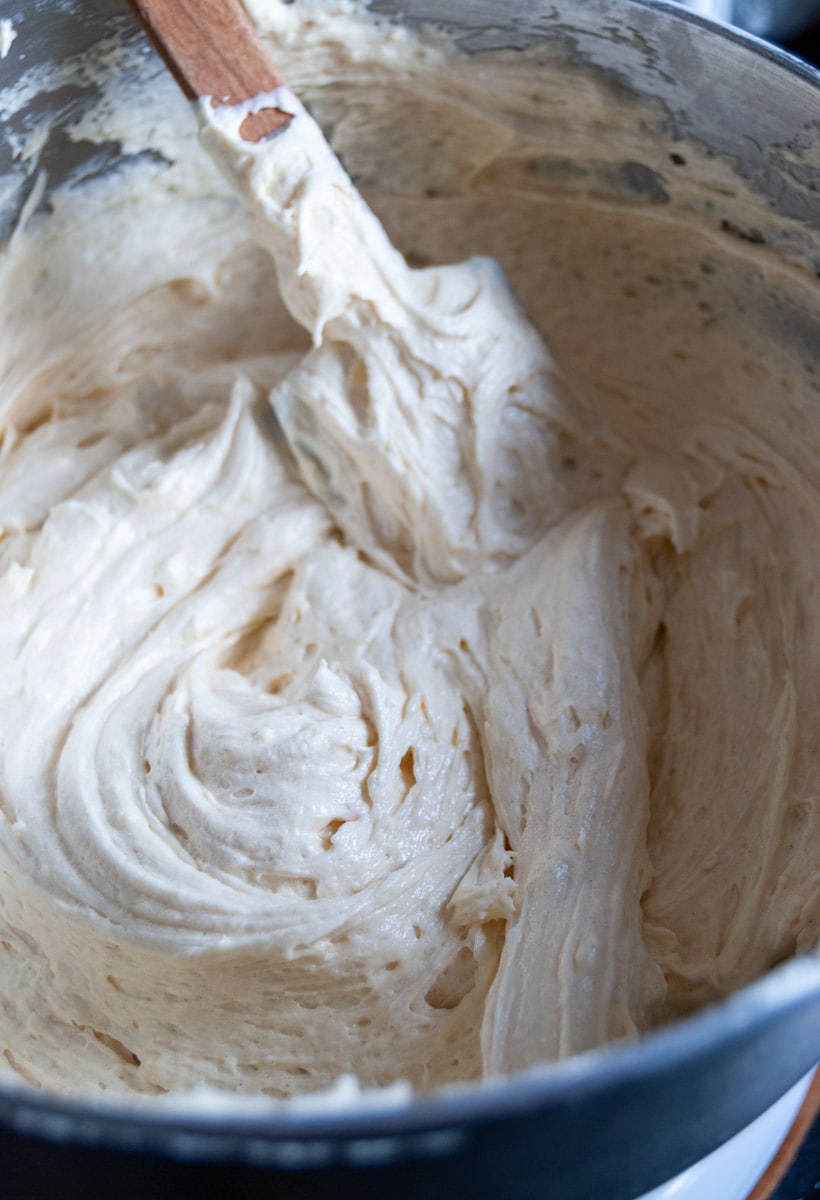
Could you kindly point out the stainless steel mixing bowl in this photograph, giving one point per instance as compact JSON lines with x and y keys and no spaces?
{"x":613,"y":1123}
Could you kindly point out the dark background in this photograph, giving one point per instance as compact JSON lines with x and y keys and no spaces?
{"x":808,"y":46}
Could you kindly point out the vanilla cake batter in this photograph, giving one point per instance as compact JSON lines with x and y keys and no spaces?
{"x":378,"y":696}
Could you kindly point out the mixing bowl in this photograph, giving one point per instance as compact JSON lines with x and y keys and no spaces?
{"x":615,"y":1122}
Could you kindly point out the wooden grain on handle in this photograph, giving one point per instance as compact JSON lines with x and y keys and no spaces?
{"x":808,"y":1113}
{"x":213,"y":50}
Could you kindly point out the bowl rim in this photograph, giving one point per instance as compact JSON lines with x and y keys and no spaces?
{"x":772,"y":51}
{"x":748,"y":1014}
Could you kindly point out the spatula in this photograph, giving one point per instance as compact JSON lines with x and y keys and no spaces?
{"x":212,"y":50}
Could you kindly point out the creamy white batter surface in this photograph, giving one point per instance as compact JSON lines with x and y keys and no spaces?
{"x":378,"y":696}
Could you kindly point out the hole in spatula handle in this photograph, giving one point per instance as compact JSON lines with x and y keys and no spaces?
{"x":212,"y":49}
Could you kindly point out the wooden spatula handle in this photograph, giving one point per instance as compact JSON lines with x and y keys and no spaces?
{"x":213,"y":50}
